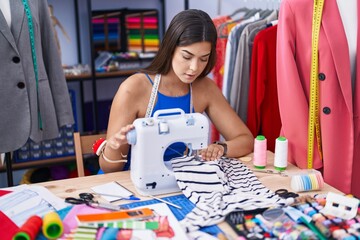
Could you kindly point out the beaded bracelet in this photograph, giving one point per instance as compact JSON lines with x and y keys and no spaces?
{"x":99,"y":147}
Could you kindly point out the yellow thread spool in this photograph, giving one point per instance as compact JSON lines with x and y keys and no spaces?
{"x":52,"y":226}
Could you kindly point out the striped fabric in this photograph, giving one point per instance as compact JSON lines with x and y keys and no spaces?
{"x":218,"y":188}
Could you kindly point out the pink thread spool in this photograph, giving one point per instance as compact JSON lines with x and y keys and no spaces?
{"x":260,"y":147}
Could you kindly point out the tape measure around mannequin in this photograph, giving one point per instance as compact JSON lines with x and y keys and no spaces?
{"x":314,"y":118}
{"x":33,"y":53}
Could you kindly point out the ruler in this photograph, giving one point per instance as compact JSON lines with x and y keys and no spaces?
{"x":314,"y":118}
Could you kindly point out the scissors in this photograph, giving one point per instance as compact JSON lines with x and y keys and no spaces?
{"x":270,"y":171}
{"x":284,"y":193}
{"x":88,"y":199}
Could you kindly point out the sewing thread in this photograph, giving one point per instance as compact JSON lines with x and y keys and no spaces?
{"x":30,"y":229}
{"x":307,"y":181}
{"x":281,"y":153}
{"x":52,"y":225}
{"x":260,"y":147}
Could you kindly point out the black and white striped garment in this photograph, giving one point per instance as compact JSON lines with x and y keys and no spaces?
{"x":218,"y":188}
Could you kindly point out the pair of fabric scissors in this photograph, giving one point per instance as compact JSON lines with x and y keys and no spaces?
{"x":284,"y":193}
{"x":88,"y":199}
{"x":270,"y":171}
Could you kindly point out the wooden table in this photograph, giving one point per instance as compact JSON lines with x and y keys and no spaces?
{"x":74,"y":186}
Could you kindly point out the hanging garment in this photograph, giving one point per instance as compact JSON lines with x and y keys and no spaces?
{"x":339,"y":107}
{"x":217,"y":70}
{"x":240,"y":83}
{"x":230,"y":54}
{"x":220,"y":49}
{"x":21,"y":100}
{"x":263,"y":108}
{"x":218,"y":188}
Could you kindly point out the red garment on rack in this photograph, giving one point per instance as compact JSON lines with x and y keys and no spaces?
{"x":219,"y":65}
{"x":220,"y":49}
{"x":263,"y":109}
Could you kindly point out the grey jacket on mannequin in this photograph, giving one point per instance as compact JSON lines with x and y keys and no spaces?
{"x":19,"y":97}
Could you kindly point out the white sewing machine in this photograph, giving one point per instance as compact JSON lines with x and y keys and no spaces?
{"x":152,"y":136}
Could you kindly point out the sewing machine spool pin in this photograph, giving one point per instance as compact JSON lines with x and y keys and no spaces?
{"x":151,"y":137}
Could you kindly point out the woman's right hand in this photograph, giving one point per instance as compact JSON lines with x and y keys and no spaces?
{"x":119,"y":138}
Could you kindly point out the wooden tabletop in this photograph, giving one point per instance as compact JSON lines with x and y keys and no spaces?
{"x":74,"y":186}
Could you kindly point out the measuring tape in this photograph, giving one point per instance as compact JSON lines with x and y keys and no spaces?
{"x":314,"y":119}
{"x":33,"y":53}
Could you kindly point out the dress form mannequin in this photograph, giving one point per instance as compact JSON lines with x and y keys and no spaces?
{"x":28,"y":100}
{"x":47,"y":96}
{"x":339,"y":98}
{"x":5,"y":10}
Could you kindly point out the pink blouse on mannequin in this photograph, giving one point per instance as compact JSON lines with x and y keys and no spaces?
{"x":339,"y":99}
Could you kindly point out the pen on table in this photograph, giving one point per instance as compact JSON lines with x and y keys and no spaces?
{"x":162,"y":200}
{"x":124,"y":187}
{"x":118,"y":196}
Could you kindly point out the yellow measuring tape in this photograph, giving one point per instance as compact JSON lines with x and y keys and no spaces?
{"x":314,"y":118}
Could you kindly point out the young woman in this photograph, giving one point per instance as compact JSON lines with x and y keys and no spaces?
{"x":185,"y":58}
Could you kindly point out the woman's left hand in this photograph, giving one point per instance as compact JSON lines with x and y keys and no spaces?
{"x":212,"y":152}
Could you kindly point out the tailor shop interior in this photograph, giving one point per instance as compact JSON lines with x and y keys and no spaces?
{"x":288,"y":109}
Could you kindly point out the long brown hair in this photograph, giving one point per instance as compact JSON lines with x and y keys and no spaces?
{"x":187,"y":27}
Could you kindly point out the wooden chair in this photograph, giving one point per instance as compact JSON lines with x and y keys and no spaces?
{"x":83,"y":145}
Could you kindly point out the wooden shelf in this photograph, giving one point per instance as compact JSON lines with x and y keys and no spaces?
{"x":88,"y":76}
{"x":39,"y":163}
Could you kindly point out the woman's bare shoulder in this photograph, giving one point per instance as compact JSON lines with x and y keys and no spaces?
{"x":135,"y":84}
{"x":133,"y":94}
{"x":206,"y":85}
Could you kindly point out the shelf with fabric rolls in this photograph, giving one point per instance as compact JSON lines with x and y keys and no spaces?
{"x":87,"y":76}
{"x":122,"y":42}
